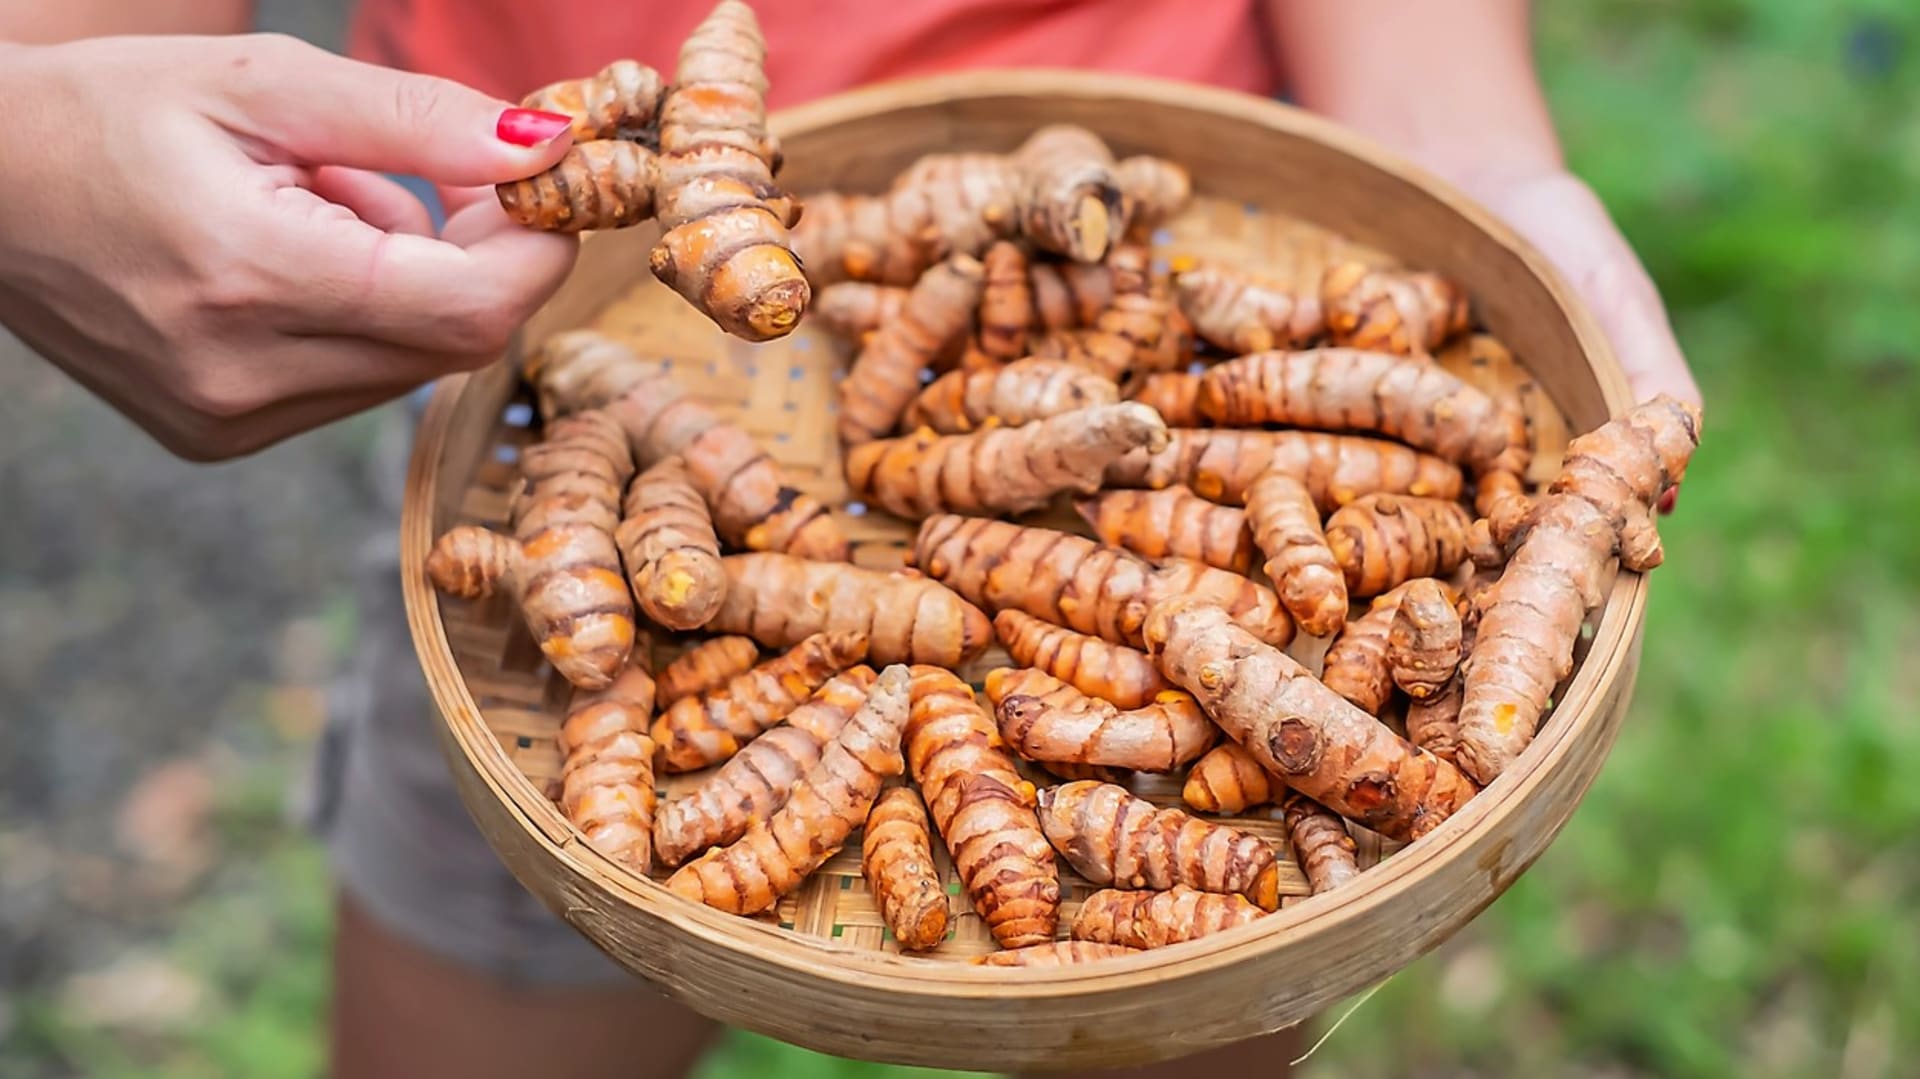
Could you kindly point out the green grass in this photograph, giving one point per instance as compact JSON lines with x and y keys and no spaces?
{"x":1737,"y":896}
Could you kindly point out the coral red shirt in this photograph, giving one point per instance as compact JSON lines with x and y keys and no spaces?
{"x":817,"y":47}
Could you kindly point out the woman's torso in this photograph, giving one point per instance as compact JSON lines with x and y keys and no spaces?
{"x":817,"y":47}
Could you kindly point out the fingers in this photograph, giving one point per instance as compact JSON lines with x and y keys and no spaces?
{"x":456,"y":199}
{"x":205,"y":440}
{"x":285,"y":387}
{"x":1636,"y":324}
{"x":464,"y":293}
{"x":1569,"y":224}
{"x":307,"y":105}
{"x":374,"y":199}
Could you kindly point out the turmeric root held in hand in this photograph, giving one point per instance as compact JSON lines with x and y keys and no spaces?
{"x":753,"y":505}
{"x":896,"y":857}
{"x":885,"y":377}
{"x":606,"y":179}
{"x":1222,"y":465}
{"x":1391,"y":310}
{"x":1158,"y":919}
{"x":1599,"y":508}
{"x":621,"y":101}
{"x":1299,"y":729}
{"x":1121,"y":676}
{"x":1228,"y":780}
{"x":706,"y":666}
{"x":756,"y":781}
{"x":1046,"y":720}
{"x":1321,"y":843}
{"x":671,"y":553}
{"x":1283,"y":521}
{"x":983,"y":809}
{"x":561,"y":562}
{"x":1172,"y":522}
{"x":1111,"y":837}
{"x":1020,"y":392}
{"x":1001,"y":469}
{"x":1413,"y":400}
{"x":606,"y":774}
{"x":828,"y":803}
{"x":779,"y":601}
{"x":1382,"y":541}
{"x":604,"y":184}
{"x":726,"y":247}
{"x":1423,"y":643}
{"x":1077,"y":583}
{"x":700,"y":731}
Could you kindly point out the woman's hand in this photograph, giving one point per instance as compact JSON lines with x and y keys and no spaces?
{"x":1561,"y":216}
{"x":198,"y":230}
{"x":1453,"y":87}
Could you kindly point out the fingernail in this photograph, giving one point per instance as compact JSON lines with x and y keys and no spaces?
{"x":1667,"y":500}
{"x":531,"y":127}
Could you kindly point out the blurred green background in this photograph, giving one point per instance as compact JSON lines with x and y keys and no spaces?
{"x":1738,"y":895}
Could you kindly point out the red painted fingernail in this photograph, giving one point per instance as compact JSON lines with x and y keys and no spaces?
{"x":531,"y":127}
{"x":1667,"y":500}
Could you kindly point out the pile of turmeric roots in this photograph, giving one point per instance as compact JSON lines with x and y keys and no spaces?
{"x":1253,"y":457}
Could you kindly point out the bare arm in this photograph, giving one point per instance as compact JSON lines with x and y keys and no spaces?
{"x":1452,"y":85}
{"x":44,"y":22}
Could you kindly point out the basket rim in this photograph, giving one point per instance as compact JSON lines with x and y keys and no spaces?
{"x":1614,"y":641}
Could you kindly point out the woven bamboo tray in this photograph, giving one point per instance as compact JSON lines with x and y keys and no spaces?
{"x":822,"y":972}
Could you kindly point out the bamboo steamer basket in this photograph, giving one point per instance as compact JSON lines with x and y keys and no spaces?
{"x":822,"y":972}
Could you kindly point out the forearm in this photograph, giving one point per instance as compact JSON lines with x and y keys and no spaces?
{"x":47,"y":21}
{"x":1449,"y":83}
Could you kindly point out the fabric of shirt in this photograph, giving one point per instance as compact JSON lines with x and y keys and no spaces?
{"x":818,"y":47}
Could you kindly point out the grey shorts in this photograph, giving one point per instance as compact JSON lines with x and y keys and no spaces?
{"x":383,"y":800}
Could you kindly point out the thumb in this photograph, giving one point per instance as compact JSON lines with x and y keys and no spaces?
{"x":311,"y":107}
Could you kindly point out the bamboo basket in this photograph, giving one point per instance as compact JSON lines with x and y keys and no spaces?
{"x":822,"y":972}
